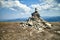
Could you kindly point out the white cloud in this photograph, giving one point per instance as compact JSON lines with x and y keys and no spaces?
{"x":41,"y":7}
{"x":46,"y":4}
{"x":59,"y":5}
{"x":27,"y":9}
{"x":10,"y":4}
{"x":13,"y":9}
{"x":49,"y":1}
{"x":56,"y":6}
{"x":21,"y":10}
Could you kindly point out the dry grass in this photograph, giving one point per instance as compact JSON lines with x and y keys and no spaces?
{"x":55,"y":23}
{"x":13,"y":31}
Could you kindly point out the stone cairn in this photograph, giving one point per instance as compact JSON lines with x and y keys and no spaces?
{"x":36,"y":21}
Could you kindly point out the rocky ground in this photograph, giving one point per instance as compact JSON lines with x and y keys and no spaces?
{"x":17,"y":31}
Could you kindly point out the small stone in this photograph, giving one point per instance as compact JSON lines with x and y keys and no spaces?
{"x":57,"y":32}
{"x":30,"y":22}
{"x":3,"y":31}
{"x":41,"y":29}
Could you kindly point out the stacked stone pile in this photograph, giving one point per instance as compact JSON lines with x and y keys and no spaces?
{"x":36,"y":21}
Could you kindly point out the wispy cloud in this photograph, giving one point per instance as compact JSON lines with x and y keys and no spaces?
{"x":47,"y":4}
{"x":23,"y":8}
{"x":11,"y":4}
{"x":41,"y":7}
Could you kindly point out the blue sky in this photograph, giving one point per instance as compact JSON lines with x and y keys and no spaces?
{"x":13,"y":9}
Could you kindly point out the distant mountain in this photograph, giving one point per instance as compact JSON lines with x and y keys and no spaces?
{"x":49,"y":19}
{"x":16,"y":20}
{"x":52,"y":19}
